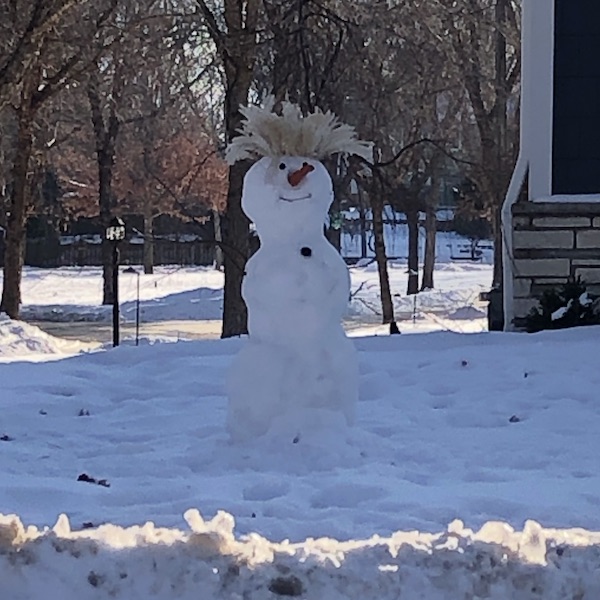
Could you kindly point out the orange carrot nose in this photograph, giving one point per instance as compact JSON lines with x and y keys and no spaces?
{"x":297,"y":176}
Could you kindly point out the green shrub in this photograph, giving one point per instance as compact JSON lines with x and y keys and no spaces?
{"x":568,"y":306}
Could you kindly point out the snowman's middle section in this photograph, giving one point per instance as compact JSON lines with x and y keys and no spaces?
{"x":295,"y":291}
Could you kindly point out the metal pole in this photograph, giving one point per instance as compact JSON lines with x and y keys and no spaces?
{"x":115,"y":294}
{"x":137,"y":313}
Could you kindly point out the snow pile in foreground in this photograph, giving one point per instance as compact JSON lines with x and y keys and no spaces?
{"x":209,"y":562}
{"x":18,"y":339}
{"x":485,"y":427}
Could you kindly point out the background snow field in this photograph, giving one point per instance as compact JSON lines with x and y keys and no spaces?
{"x":482,"y":428}
{"x":186,"y":303}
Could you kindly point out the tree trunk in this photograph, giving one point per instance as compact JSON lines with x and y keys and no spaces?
{"x":235,"y":237}
{"x":334,"y":235}
{"x":387,"y":305}
{"x":497,"y":231}
{"x":15,"y":230}
{"x":236,"y":226}
{"x":105,"y":133}
{"x":148,"y":243}
{"x":236,"y":44}
{"x":412,"y":218}
{"x":334,"y":231}
{"x":429,"y":262}
{"x":501,"y":106}
{"x":218,"y":238}
{"x":502,"y":93}
{"x":362,"y":212}
{"x":105,"y":165}
{"x":363,"y":233}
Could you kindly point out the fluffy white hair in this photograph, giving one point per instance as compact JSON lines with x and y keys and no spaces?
{"x":318,"y":135}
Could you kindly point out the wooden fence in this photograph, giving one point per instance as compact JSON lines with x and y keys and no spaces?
{"x":43,"y":253}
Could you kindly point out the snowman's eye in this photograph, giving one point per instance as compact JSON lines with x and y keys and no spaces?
{"x":282,"y":167}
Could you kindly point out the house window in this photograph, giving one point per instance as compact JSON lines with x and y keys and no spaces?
{"x":576,"y":110}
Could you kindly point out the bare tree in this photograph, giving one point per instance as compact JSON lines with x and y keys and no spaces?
{"x":133,"y":80}
{"x":390,"y":93}
{"x":25,"y":27}
{"x":483,"y":39}
{"x":169,"y":166}
{"x":234,"y":33}
{"x":43,"y":50}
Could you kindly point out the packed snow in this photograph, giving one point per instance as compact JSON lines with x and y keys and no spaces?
{"x":497,"y":430}
{"x":471,"y":470}
{"x":19,"y":339}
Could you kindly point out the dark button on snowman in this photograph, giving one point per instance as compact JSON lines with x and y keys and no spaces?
{"x":297,"y":370}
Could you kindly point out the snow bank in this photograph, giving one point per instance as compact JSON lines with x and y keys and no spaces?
{"x":209,"y":562}
{"x":20,"y":340}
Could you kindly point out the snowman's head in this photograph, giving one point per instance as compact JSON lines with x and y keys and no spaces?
{"x":287,"y":193}
{"x":287,"y":196}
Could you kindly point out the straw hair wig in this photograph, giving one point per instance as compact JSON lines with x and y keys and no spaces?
{"x":318,"y":135}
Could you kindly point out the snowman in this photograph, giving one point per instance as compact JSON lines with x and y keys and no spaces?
{"x":297,"y":369}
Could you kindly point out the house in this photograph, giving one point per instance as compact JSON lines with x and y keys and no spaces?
{"x":551,"y":216}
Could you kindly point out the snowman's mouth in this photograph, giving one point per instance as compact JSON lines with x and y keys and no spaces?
{"x":307,"y":197}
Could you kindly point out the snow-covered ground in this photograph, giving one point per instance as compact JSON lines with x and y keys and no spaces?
{"x":453,"y":305}
{"x":497,"y":430}
{"x":75,"y":294}
{"x":175,"y":293}
{"x":195,"y":294}
{"x":472,"y":471}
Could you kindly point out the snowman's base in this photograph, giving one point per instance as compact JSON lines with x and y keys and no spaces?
{"x":292,"y":388}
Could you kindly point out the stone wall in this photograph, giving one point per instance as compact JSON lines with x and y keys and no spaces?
{"x":553,"y":242}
